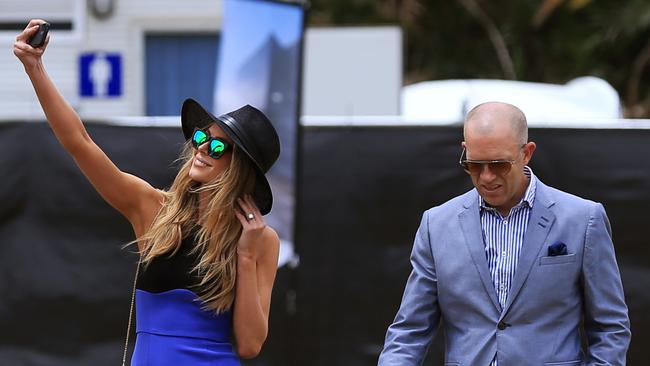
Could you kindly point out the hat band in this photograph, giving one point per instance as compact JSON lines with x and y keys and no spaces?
{"x":232,"y":124}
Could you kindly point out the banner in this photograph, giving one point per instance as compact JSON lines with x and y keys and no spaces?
{"x":260,"y":64}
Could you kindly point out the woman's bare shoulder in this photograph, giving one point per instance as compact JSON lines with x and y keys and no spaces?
{"x":270,"y":243}
{"x":153,"y":201}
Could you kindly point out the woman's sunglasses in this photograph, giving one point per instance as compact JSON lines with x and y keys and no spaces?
{"x":475,"y":167}
{"x":216,"y":146}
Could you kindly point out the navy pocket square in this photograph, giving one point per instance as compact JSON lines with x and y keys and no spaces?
{"x":556,"y":249}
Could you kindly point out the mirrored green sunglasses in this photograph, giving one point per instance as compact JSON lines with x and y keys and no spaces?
{"x":216,"y":146}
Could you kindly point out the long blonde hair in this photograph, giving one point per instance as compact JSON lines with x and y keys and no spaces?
{"x":219,"y":230}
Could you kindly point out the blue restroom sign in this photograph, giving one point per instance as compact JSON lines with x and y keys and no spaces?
{"x":100,"y":75}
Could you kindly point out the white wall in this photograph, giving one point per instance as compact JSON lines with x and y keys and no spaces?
{"x":352,"y":71}
{"x":124,"y":32}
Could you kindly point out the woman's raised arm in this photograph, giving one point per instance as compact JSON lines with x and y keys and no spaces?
{"x":133,"y":197}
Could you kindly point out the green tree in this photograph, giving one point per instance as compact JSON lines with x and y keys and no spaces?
{"x":531,"y":40}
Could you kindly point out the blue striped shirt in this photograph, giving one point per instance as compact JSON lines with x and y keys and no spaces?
{"x":503,"y":238}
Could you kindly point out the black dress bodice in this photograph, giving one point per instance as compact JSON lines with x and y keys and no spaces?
{"x":167,"y":272}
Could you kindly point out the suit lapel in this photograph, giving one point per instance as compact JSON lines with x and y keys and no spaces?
{"x":471,"y":224}
{"x":539,"y":225}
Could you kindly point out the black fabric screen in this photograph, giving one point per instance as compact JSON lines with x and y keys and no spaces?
{"x":65,"y":282}
{"x":362,"y":191}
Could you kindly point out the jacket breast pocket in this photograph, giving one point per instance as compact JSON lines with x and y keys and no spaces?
{"x":558,"y":259}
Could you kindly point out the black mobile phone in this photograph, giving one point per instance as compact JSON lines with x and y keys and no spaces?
{"x":38,"y":39}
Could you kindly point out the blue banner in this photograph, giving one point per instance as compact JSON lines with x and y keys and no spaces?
{"x":260,"y":64}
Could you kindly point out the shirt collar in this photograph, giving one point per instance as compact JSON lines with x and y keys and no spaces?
{"x":529,"y":196}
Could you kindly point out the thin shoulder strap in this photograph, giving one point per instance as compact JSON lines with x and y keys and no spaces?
{"x":128,"y":327}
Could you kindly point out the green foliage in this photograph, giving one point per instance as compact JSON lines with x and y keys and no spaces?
{"x":443,"y":40}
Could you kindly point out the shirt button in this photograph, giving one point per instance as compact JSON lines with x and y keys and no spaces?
{"x":502,"y":325}
{"x":505,"y":222}
{"x":503,"y":253}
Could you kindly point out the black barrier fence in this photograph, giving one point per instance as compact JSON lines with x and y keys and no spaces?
{"x":65,"y":283}
{"x":362,"y":191}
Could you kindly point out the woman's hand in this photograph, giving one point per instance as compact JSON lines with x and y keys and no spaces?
{"x":28,"y":55}
{"x":253,"y":225}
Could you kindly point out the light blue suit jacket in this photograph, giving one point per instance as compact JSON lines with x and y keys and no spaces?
{"x":548,"y":300}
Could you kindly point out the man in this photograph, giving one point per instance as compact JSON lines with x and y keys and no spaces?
{"x":515,"y":268}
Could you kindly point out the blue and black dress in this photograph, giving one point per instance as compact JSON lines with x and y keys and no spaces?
{"x":171,"y":325}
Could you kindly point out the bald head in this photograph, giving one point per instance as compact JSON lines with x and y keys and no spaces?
{"x":496,"y":118}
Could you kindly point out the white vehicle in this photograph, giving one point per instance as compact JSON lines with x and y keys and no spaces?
{"x":585,"y":100}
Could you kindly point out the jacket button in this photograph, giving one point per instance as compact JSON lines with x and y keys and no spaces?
{"x":502,"y":325}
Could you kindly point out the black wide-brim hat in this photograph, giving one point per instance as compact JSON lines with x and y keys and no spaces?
{"x":251,"y":131}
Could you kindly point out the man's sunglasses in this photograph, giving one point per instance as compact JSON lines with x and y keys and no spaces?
{"x":216,"y":146}
{"x":475,"y":167}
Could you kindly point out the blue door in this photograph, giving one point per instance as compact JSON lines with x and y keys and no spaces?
{"x":179,"y":66}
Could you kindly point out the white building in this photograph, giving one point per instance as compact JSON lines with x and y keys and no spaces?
{"x":145,"y":35}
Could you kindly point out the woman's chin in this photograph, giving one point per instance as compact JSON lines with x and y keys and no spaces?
{"x":197,"y":175}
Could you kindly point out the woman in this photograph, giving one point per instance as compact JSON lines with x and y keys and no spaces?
{"x":208,"y":260}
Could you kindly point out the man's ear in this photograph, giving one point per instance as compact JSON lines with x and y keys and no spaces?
{"x":529,"y":149}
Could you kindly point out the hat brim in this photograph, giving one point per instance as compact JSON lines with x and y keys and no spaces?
{"x":193,"y":115}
